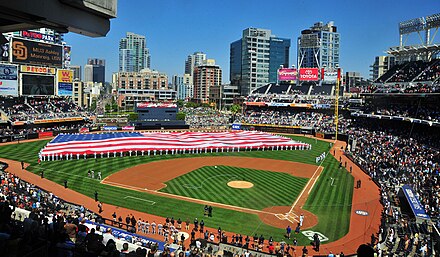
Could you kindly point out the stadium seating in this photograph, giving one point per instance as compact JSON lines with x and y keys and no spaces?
{"x":30,"y":109}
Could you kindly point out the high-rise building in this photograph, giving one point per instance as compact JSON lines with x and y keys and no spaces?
{"x":206,"y":75}
{"x":144,"y":79}
{"x":318,"y":46}
{"x":381,"y":65}
{"x":76,"y":72}
{"x":255,"y":59}
{"x":98,"y":70}
{"x":194,"y":60}
{"x":187,"y":91}
{"x":88,"y":73}
{"x":133,"y":53}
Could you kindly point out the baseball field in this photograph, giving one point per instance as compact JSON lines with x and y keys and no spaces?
{"x":180,"y":186}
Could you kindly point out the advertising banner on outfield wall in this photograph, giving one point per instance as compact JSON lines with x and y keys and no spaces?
{"x":308,"y":74}
{"x":65,"y":82}
{"x":8,"y":80}
{"x":287,"y":74}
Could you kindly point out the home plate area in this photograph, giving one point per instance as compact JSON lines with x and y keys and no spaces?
{"x":290,"y":216}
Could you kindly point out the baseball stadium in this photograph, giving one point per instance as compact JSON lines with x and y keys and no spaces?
{"x":301,"y":167}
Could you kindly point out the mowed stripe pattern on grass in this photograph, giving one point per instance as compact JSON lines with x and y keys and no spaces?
{"x":75,"y":171}
{"x":210,"y":183}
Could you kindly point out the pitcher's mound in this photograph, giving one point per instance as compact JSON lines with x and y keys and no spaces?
{"x":240,"y":184}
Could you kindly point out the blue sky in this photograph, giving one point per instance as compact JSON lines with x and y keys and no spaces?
{"x":176,"y":28}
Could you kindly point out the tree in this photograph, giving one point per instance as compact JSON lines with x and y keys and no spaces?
{"x":93,"y":105}
{"x":235,"y":108}
{"x":180,"y":103}
{"x":180,"y":116}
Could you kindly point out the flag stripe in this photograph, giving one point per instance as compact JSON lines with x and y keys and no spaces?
{"x":124,"y":142}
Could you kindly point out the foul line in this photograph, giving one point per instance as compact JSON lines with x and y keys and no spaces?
{"x":140,"y":199}
{"x":311,"y":179}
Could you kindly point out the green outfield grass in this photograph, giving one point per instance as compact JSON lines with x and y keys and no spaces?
{"x":270,"y":188}
{"x":332,"y":204}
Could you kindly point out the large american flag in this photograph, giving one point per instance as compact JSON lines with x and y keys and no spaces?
{"x":118,"y":142}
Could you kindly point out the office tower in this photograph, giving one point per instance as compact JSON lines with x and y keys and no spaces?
{"x":76,"y":72}
{"x":88,"y":73}
{"x":255,"y":59}
{"x":97,"y":70}
{"x":318,"y":47}
{"x":206,"y":75}
{"x":133,"y":53}
{"x":194,"y":60}
{"x":381,"y":65}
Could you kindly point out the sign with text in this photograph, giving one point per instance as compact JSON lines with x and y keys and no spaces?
{"x":39,"y":53}
{"x":236,"y":126}
{"x":8,"y":80}
{"x":66,"y":55}
{"x":65,"y":76}
{"x":330,"y":77}
{"x":308,"y":74}
{"x":287,"y":74}
{"x":417,"y":208}
{"x":38,"y":35}
{"x":37,"y":69}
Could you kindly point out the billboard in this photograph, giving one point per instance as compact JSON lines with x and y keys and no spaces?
{"x":8,"y":80}
{"x":236,"y":126}
{"x":308,"y":74}
{"x":416,"y":207}
{"x":37,"y":69}
{"x":4,"y":52}
{"x":65,"y":82}
{"x":287,"y":74}
{"x":39,"y":53}
{"x":66,"y":55}
{"x":38,"y":36}
{"x":329,"y":77}
{"x":37,"y":84}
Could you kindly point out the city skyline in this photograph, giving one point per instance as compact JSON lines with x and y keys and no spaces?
{"x":367,"y":29}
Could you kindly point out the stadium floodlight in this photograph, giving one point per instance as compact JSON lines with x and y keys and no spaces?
{"x":433,"y":21}
{"x":410,"y":26}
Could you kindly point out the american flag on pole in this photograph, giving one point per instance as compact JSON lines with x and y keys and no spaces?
{"x":122,"y":142}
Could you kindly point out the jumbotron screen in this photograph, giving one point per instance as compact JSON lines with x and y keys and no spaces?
{"x":38,"y":85}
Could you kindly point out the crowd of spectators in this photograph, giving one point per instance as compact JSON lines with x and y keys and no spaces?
{"x":14,"y":131}
{"x":423,"y":112}
{"x":204,"y":117}
{"x":296,"y":98}
{"x":392,"y":159}
{"x":418,"y":88}
{"x":409,"y":71}
{"x":30,"y":109}
{"x":431,"y":73}
{"x":48,"y":224}
{"x":320,"y":121}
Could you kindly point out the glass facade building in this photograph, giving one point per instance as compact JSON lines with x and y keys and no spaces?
{"x":133,"y":53}
{"x":255,"y":59}
{"x":318,"y":46}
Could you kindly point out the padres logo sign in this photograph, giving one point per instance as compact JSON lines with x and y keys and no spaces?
{"x":19,"y":50}
{"x":36,"y":53}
